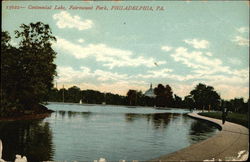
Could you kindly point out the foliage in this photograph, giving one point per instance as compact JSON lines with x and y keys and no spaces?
{"x":164,"y":96}
{"x":132,"y":97}
{"x":9,"y":73}
{"x":238,"y":118}
{"x":27,"y":71}
{"x":75,"y":94}
{"x":236,"y":105}
{"x":137,"y":98}
{"x":189,"y":102}
{"x":205,"y":96}
{"x":178,"y":102}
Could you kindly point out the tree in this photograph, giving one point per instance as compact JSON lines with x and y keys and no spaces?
{"x":164,"y":95}
{"x":205,"y":97}
{"x":178,"y":101}
{"x":74,"y":94}
{"x":37,"y":67}
{"x":28,"y":71}
{"x":189,"y":102}
{"x":169,"y":95}
{"x":9,"y":71}
{"x":132,"y":97}
{"x":236,"y":105}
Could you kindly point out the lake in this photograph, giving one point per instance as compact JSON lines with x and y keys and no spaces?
{"x":89,"y":132}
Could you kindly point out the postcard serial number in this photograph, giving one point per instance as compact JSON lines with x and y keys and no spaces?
{"x":14,"y":7}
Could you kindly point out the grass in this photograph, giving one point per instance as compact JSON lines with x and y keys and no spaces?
{"x":241,"y":119}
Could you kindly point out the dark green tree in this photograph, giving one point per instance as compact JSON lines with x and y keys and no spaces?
{"x":27,"y":71}
{"x":74,"y":94}
{"x":189,"y":102}
{"x":164,"y":96}
{"x":236,"y":105}
{"x":132,"y":97}
{"x":37,"y":66}
{"x":9,"y":74}
{"x":178,"y":101}
{"x":140,"y":98}
{"x":205,"y":97}
{"x":169,"y":96}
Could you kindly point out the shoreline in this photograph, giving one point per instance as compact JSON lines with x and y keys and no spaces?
{"x":26,"y":117}
{"x":39,"y":111}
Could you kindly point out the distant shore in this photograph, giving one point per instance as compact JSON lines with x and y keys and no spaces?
{"x":128,"y":106}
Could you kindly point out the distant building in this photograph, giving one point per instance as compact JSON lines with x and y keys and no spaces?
{"x":150,"y":92}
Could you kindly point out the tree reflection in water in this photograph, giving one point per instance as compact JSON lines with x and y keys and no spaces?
{"x":159,"y":120}
{"x":73,"y":114}
{"x":201,"y":130}
{"x":32,"y":138}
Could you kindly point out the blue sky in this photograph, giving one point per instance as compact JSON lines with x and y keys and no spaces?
{"x":187,"y":43}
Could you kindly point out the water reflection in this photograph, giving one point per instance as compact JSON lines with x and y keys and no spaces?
{"x":72,"y":114}
{"x":31,"y":138}
{"x":159,"y":120}
{"x":62,"y":113}
{"x":200,"y":131}
{"x":110,"y":132}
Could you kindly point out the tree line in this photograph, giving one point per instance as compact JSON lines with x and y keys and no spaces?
{"x":74,"y":94}
{"x":202,"y":97}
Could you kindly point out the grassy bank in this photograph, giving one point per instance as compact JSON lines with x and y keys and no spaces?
{"x":241,"y":119}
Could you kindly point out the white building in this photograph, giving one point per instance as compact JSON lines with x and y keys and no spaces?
{"x":150,"y":92}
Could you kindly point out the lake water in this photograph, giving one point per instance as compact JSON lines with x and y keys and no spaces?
{"x":89,"y":132}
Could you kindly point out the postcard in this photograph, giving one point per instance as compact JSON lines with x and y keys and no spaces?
{"x":124,"y":80}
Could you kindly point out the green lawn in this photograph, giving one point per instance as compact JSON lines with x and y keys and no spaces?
{"x":241,"y":119}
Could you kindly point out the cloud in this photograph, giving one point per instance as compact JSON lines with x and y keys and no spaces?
{"x":208,"y":54}
{"x":196,"y":43}
{"x":230,"y":92}
{"x":197,"y":60}
{"x":243,"y":29}
{"x":81,"y":40}
{"x":66,"y":74}
{"x":234,"y":61}
{"x":209,"y":70}
{"x":105,"y":75}
{"x":161,"y":73}
{"x":166,"y":48}
{"x":239,"y":40}
{"x":111,"y":57}
{"x":122,"y":87}
{"x":66,"y":20}
{"x":118,"y":87}
{"x":106,"y":81}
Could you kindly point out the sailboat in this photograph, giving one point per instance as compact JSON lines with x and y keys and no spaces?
{"x":104,"y":102}
{"x":80,"y":102}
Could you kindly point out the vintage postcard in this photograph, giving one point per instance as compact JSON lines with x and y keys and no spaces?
{"x":124,"y":80}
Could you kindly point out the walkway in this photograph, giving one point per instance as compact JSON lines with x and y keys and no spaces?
{"x":231,"y":143}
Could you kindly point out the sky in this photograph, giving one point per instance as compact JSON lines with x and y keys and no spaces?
{"x":180,"y":43}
